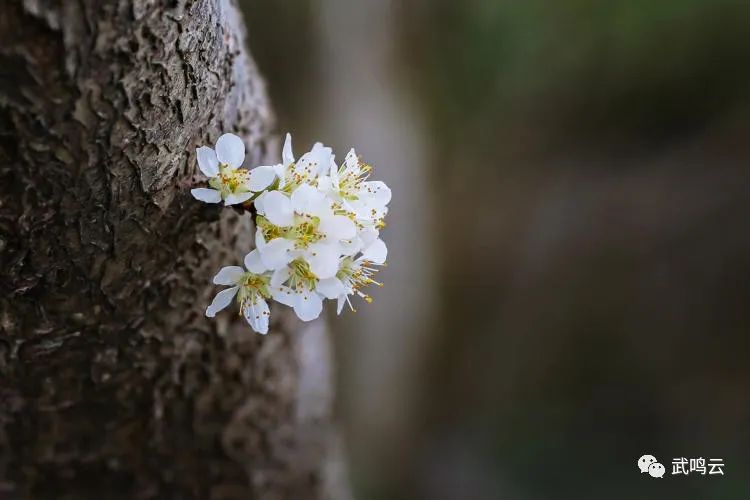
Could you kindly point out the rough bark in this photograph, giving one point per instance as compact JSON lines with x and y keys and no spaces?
{"x":112,"y":382}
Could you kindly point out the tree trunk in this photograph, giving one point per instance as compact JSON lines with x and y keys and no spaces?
{"x":113,"y":384}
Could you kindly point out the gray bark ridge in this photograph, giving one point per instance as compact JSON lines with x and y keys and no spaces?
{"x":113,"y":384}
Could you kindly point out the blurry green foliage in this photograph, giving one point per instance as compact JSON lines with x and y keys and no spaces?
{"x":660,"y":67}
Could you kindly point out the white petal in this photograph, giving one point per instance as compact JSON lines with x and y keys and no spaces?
{"x":287,"y":157}
{"x":367,"y":211}
{"x":280,"y":276}
{"x":314,"y":162}
{"x":253,"y":263}
{"x":283,"y":294}
{"x":222,"y":300}
{"x":331,"y":165}
{"x":334,"y":174}
{"x":228,"y":275}
{"x":376,"y":193}
{"x":307,"y":305}
{"x":277,"y":253}
{"x":230,"y":150}
{"x":368,"y":235}
{"x":377,"y":252}
{"x":307,"y":199}
{"x":338,"y":227}
{"x":351,"y":247}
{"x":259,"y":203}
{"x":323,"y":259}
{"x":280,"y":171}
{"x":257,"y":315}
{"x":260,"y":240}
{"x":340,"y":303}
{"x":207,"y":161}
{"x":352,"y":162}
{"x":261,"y":178}
{"x":325,"y":184}
{"x":331,"y":288}
{"x":320,"y":207}
{"x":206,"y":195}
{"x":235,"y":198}
{"x":278,"y":209}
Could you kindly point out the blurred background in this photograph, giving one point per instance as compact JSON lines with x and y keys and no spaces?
{"x":567,"y":287}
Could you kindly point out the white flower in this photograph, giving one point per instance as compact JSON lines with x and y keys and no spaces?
{"x":354,"y":274}
{"x":303,"y":225}
{"x":228,"y":181}
{"x":349,"y":187}
{"x":251,"y":288}
{"x":364,"y":238}
{"x":317,"y":229}
{"x":294,"y":285}
{"x":293,"y":174}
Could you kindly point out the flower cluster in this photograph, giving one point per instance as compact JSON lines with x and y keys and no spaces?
{"x":317,"y":229}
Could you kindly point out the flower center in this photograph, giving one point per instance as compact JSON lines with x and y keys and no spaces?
{"x":305,"y":231}
{"x":301,"y":276}
{"x":295,"y":177}
{"x":350,"y":182}
{"x":252,"y":286}
{"x":230,"y":180}
{"x":270,"y":231}
{"x":357,"y":275}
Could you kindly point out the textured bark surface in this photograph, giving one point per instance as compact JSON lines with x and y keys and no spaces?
{"x":112,"y":382}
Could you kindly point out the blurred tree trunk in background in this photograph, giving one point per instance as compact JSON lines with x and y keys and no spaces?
{"x":112,"y":382}
{"x":388,"y":340}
